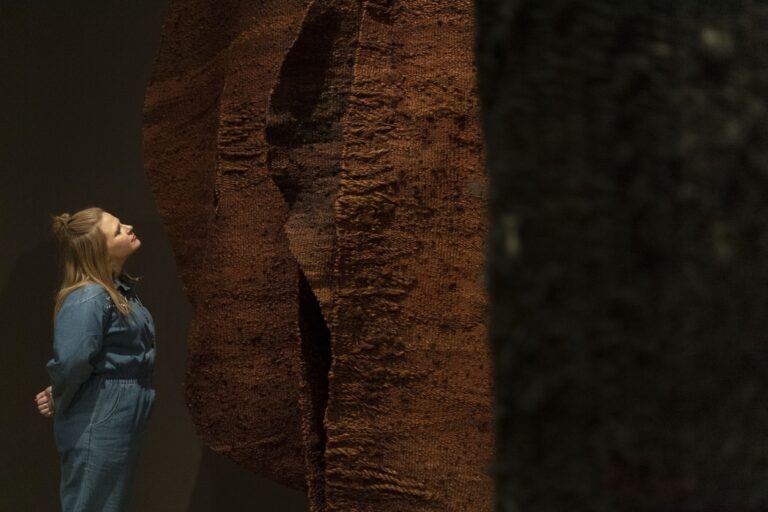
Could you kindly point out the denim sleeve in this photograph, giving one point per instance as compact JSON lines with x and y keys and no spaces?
{"x":78,"y":336}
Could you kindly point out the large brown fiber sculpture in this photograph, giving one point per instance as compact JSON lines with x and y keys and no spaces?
{"x":318,"y":166}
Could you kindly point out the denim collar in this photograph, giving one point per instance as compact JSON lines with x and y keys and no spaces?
{"x":119,"y":283}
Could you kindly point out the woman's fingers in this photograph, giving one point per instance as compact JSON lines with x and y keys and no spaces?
{"x":44,"y":402}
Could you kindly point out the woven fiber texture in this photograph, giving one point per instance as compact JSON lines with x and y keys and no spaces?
{"x":627,"y":262}
{"x":318,"y":166}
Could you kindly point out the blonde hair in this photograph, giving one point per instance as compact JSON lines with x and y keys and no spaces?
{"x":85,"y":258}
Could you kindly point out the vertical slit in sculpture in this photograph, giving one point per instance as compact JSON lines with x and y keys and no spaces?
{"x":316,"y":352}
{"x":303,"y":133}
{"x":315,"y":339}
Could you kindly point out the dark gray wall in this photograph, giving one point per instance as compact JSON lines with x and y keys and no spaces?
{"x":71,"y":87}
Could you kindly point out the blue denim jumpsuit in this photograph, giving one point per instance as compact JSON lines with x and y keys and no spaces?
{"x":102,"y":392}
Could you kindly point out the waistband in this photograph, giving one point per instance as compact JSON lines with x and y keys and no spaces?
{"x":144,"y":379}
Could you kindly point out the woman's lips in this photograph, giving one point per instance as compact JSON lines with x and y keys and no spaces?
{"x":134,"y":238}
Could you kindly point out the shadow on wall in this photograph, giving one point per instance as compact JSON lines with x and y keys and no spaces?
{"x":30,"y":476}
{"x":223,"y":485}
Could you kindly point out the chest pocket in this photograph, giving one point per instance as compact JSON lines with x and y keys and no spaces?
{"x":137,"y":328}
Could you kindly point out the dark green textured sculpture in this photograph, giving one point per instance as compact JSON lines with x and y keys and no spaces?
{"x":628,"y":258}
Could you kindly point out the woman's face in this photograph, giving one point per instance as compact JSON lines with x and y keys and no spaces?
{"x":121,"y":242}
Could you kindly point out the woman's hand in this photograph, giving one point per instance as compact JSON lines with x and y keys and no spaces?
{"x":44,"y":402}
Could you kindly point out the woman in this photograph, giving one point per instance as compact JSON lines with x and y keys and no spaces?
{"x":101,"y":394}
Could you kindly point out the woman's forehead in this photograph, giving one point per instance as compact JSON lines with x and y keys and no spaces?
{"x":108,"y":220}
